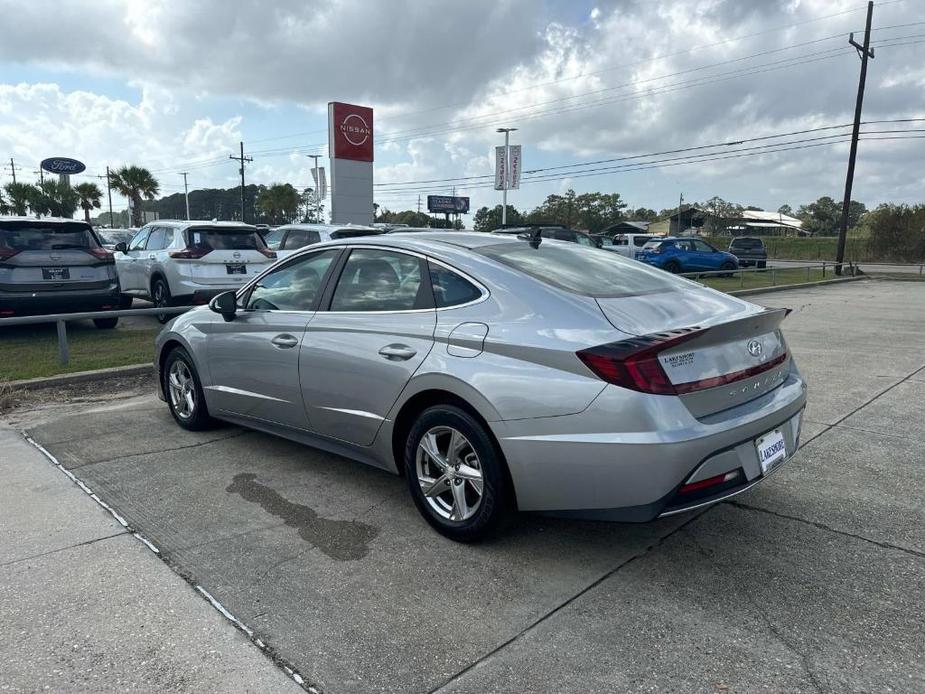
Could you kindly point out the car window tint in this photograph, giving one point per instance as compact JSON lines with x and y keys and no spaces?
{"x":620,"y":241}
{"x":374,"y":280}
{"x":449,"y":288}
{"x":684,"y":245}
{"x":640,"y":240}
{"x":584,"y":240}
{"x":587,"y":271}
{"x":157,"y":240}
{"x":564,"y":235}
{"x":35,"y":235}
{"x":272,"y":238}
{"x":225,"y":239}
{"x":293,"y":287}
{"x":299,"y":238}
{"x":138,"y":243}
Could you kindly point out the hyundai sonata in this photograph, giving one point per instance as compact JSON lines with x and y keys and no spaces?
{"x":498,"y":373}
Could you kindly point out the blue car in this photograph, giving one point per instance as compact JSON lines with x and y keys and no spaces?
{"x":686,"y":254}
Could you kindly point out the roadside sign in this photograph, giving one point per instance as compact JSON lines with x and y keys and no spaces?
{"x":63,"y":166}
{"x":514,"y":167}
{"x":321,"y":188}
{"x":448,"y":204}
{"x":500,"y":168}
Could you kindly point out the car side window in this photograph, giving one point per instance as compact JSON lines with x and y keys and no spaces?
{"x":449,"y":288}
{"x":297,"y":238}
{"x":380,"y":280}
{"x":157,"y":240}
{"x":138,"y":242}
{"x":583,"y":240}
{"x":640,"y":240}
{"x":683,"y":245}
{"x":564,"y":235}
{"x":703,"y":246}
{"x":294,"y":287}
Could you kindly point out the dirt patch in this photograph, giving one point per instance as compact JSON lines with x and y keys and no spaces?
{"x":13,"y":401}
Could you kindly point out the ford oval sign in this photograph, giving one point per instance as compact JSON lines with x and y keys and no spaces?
{"x":63,"y":165}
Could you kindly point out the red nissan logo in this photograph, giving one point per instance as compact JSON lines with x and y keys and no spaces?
{"x":355,"y":130}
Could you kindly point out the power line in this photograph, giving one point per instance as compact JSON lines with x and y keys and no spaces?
{"x":242,"y":160}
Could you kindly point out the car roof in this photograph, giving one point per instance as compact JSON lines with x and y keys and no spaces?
{"x":424,"y":241}
{"x":186,"y":223}
{"x":43,"y":220}
{"x":328,"y":227}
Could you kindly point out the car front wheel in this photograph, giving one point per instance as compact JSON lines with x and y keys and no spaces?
{"x":456,"y":475}
{"x":184,"y":391}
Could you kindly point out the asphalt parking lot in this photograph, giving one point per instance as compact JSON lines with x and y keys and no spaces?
{"x":813,"y":581}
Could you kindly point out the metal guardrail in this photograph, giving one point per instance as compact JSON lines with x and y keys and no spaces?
{"x":847,"y":268}
{"x":61,"y":320}
{"x":857,"y":263}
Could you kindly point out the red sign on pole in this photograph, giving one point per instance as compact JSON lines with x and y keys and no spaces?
{"x":350,"y":131}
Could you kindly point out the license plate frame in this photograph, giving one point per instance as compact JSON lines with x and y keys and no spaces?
{"x":56,"y":274}
{"x":236,"y":268}
{"x":771,"y":449}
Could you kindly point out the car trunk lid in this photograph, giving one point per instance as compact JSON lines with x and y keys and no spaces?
{"x":229,"y":255}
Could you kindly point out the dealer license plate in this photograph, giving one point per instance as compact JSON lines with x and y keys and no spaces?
{"x":236,"y":269}
{"x":772,"y":450}
{"x":56,"y":273}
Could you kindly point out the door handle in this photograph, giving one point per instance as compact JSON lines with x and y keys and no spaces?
{"x":397,"y":352}
{"x":151,"y":257}
{"x":285,"y":341}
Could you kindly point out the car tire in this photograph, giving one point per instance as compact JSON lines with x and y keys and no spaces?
{"x":476,"y":464}
{"x":761,"y":264}
{"x":106,"y":323}
{"x":672,"y":266}
{"x":179,"y":379}
{"x":160,"y":297}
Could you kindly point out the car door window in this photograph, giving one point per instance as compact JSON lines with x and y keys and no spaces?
{"x":450,"y":289}
{"x":564,"y":235}
{"x":703,"y":247}
{"x":298,"y":238}
{"x":640,"y":241}
{"x":375,"y":280}
{"x":157,"y":240}
{"x":583,"y":240}
{"x":683,"y":245}
{"x":294,"y":287}
{"x":138,"y":243}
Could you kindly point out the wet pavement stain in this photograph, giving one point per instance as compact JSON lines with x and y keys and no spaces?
{"x":340,"y":540}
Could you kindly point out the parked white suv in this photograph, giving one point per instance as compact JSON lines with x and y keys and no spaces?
{"x":185,"y":262}
{"x":292,"y":237}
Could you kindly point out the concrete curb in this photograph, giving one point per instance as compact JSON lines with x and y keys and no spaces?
{"x":81,"y":377}
{"x":803,"y":285}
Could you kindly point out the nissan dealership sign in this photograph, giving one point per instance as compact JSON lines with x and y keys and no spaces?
{"x":63,"y":166}
{"x":350,"y":142}
{"x":351,"y":131}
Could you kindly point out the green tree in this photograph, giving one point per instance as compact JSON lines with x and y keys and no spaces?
{"x":721,"y":214}
{"x":489,"y":219}
{"x":279,"y":203}
{"x":135,"y":183}
{"x":897,"y":232}
{"x":786,"y":209}
{"x":55,"y":198}
{"x":595,"y":211}
{"x":89,"y":196}
{"x":19,"y":197}
{"x":642,"y":214}
{"x":823,"y":217}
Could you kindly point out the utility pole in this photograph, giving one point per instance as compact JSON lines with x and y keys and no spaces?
{"x":109,"y":193}
{"x":241,"y":159}
{"x":680,"y":202}
{"x":419,"y":203}
{"x":186,"y":192}
{"x":40,"y":174}
{"x":865,"y":52}
{"x":13,"y":169}
{"x":507,"y":174}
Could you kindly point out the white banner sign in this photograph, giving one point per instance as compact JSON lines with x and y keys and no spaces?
{"x":321,"y":188}
{"x":514,"y":167}
{"x":500,"y":168}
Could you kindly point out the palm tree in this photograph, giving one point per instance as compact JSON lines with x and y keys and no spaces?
{"x":90,"y":196}
{"x":20,"y":196}
{"x":135,"y":182}
{"x":55,"y":198}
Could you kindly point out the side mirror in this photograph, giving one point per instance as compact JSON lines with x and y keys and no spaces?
{"x":225,"y":303}
{"x":120,"y":247}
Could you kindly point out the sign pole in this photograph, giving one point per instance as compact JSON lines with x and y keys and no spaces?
{"x":507,"y":159}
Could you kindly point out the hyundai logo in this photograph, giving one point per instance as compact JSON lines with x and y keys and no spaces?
{"x":754,"y":348}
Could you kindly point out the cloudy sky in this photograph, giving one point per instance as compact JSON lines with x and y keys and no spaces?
{"x":621,"y":95}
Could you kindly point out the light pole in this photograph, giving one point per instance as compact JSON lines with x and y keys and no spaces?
{"x":317,"y":195}
{"x":507,"y":163}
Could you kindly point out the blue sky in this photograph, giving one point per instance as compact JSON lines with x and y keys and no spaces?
{"x":175,"y":87}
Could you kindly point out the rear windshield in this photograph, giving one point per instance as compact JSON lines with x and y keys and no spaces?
{"x":36,"y":236}
{"x":350,"y":233}
{"x":225,"y":239}
{"x":587,"y":271}
{"x":747,"y":243}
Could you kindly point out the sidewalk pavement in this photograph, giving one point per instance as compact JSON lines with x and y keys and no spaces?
{"x":86,"y":607}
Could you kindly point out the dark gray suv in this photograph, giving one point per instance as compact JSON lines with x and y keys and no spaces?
{"x":749,"y":250}
{"x":55,"y":265}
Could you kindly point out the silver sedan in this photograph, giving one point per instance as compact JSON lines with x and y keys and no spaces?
{"x":497,"y":374}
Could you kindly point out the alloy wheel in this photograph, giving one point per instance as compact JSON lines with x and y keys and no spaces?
{"x":182,"y":389}
{"x":449,"y":473}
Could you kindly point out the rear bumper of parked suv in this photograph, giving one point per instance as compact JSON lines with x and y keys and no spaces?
{"x":618,"y":464}
{"x":14,"y":303}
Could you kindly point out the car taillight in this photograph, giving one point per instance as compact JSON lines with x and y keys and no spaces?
{"x":7,"y":253}
{"x":267,"y":252}
{"x":634,"y":363}
{"x":100,"y":253}
{"x":190,"y":253}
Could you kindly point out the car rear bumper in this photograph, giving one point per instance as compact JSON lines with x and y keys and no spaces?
{"x":579,"y":466}
{"x":36,"y":303}
{"x":189,"y":292}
